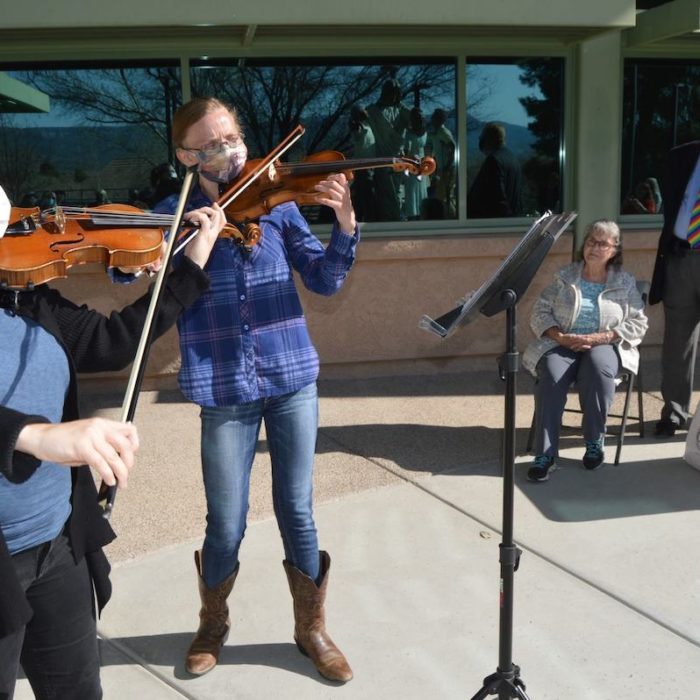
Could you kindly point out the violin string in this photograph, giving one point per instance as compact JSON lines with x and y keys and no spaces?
{"x":115,"y":218}
{"x":107,"y":220}
{"x":340,"y":165}
{"x":116,"y":214}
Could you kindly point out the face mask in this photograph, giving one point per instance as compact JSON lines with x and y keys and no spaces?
{"x":223,"y":163}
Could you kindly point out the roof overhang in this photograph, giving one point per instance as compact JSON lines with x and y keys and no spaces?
{"x":213,"y":13}
{"x":673,"y":20}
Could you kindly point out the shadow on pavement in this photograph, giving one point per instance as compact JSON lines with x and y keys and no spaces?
{"x":630,"y":489}
{"x":169,"y":650}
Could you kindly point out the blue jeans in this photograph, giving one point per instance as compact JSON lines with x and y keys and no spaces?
{"x":594,"y":373}
{"x":58,"y":647}
{"x":229,"y":437}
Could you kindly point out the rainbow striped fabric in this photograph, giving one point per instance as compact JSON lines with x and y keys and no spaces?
{"x":694,"y":224}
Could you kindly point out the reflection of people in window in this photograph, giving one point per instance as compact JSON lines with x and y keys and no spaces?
{"x":495,"y":191}
{"x":441,"y":146}
{"x":164,"y":181}
{"x":101,"y":197}
{"x":646,"y":198}
{"x":415,"y":187}
{"x":48,"y":200}
{"x":362,"y":146}
{"x":29,"y":200}
{"x":388,"y":118}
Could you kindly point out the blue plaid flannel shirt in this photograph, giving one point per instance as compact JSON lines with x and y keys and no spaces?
{"x":246,"y":337}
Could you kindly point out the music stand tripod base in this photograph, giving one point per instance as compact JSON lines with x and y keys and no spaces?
{"x":503,"y":684}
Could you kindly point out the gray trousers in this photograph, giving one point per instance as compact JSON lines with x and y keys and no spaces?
{"x":681,"y":298}
{"x":593,"y":372}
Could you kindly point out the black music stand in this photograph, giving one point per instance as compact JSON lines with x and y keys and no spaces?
{"x":503,"y":291}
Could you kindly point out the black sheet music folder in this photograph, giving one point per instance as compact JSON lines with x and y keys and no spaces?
{"x":514,"y":273}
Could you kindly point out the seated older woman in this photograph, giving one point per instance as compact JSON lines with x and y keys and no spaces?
{"x":588,"y":323}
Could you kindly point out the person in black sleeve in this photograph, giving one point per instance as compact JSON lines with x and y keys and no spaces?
{"x":52,"y":567}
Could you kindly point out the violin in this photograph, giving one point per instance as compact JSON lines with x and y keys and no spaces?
{"x":41,"y":246}
{"x":267,"y":182}
{"x":285,"y":182}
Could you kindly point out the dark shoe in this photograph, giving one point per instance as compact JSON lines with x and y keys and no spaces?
{"x":594,"y":456}
{"x":541,"y":468}
{"x":665,"y":428}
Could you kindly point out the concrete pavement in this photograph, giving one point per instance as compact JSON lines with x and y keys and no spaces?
{"x":409,"y":493}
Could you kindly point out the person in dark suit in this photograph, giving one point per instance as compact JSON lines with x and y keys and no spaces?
{"x":495,"y":191}
{"x":676,"y":282}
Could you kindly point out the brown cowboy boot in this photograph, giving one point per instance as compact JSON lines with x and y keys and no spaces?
{"x":214,"y":622}
{"x":310,"y":622}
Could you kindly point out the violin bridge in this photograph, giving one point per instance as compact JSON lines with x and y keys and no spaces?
{"x":53,"y":220}
{"x":60,"y":219}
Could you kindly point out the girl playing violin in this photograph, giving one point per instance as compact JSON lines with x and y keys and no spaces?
{"x":51,"y":529}
{"x":247,"y":358}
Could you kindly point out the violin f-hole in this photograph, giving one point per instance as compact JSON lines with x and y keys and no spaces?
{"x":54,"y":247}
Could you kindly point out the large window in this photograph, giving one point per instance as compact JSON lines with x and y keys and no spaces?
{"x":364,"y":110}
{"x":105,"y":137}
{"x":661,"y":109}
{"x":515,"y":123}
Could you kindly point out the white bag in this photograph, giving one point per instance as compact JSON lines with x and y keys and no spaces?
{"x":692,"y":442}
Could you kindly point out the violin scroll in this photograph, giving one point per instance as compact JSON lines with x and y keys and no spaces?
{"x":424,"y":166}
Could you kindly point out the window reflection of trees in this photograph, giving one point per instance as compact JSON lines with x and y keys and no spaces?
{"x":536,"y":144}
{"x":543,"y":171}
{"x":125,"y":112}
{"x":107,"y":129}
{"x":144,"y":97}
{"x":272,"y":99}
{"x":19,"y":158}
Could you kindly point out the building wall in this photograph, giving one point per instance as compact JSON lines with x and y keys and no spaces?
{"x":371,"y":326}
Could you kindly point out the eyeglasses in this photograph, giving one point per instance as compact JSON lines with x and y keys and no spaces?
{"x":603,"y":245}
{"x":213,"y":150}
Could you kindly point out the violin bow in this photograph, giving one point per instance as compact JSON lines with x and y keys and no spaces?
{"x":108,"y":494}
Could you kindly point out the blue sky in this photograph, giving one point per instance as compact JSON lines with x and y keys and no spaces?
{"x":503,"y":104}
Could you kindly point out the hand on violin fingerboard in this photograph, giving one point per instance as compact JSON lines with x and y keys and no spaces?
{"x":335,"y":193}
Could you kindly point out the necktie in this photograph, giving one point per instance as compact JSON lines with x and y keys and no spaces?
{"x":694,"y":224}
